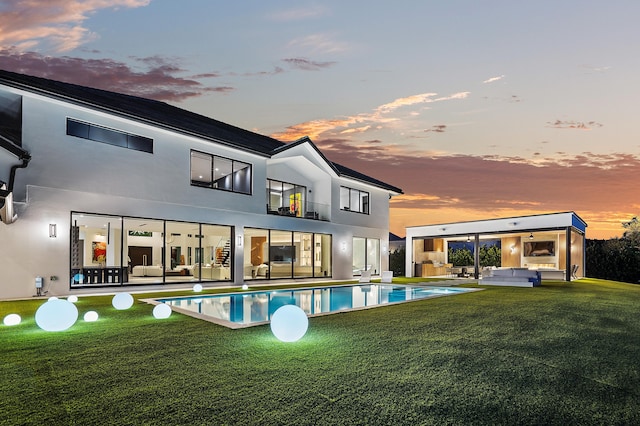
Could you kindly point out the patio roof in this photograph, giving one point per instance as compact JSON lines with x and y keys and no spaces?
{"x":533,"y":223}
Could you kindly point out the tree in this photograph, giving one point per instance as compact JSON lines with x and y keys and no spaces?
{"x":616,"y":259}
{"x":396,"y":262}
{"x":490,"y":256}
{"x":461,"y":257}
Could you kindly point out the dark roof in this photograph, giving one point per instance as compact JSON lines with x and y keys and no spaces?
{"x":161,"y":114}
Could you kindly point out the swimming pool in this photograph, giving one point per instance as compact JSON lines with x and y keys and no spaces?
{"x":246,"y":309}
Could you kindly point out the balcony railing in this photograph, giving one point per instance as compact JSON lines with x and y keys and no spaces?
{"x":315,"y":211}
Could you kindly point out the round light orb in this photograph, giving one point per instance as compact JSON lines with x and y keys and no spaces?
{"x":245,"y":287}
{"x":162,"y":311}
{"x":12,"y":319}
{"x":197,"y":288}
{"x":53,"y":298}
{"x":122,"y":301}
{"x":72,"y":299}
{"x":289,"y":323}
{"x":56,"y":315}
{"x":91,"y":316}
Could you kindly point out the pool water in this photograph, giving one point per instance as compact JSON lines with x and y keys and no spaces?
{"x":237,"y":310}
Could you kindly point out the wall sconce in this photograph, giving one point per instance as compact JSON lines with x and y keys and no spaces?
{"x":239,"y":240}
{"x":468,"y":239}
{"x":53,"y":230}
{"x":513,"y":249}
{"x":384,"y":248}
{"x":343,"y":246}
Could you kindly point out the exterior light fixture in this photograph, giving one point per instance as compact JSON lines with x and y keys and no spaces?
{"x":468,"y":239}
{"x":162,"y":311}
{"x":239,"y":240}
{"x":531,"y":236}
{"x":343,"y":246}
{"x":122,"y":301}
{"x":289,"y":323}
{"x":53,"y":230}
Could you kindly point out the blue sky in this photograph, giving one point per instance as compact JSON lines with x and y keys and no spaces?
{"x":477,"y":109}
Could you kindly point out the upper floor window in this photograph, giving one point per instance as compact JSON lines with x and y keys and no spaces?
{"x":109,"y":136}
{"x":354,"y":200}
{"x":211,"y":171}
{"x":285,"y":198}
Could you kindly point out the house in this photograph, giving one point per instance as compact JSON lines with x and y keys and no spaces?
{"x":101,"y":190}
{"x":552,"y":244}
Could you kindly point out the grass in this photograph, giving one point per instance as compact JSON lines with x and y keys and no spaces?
{"x":562,"y":353}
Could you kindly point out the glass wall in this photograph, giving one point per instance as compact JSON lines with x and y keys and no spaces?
{"x":108,"y":250}
{"x":366,"y":255}
{"x":273,"y":254}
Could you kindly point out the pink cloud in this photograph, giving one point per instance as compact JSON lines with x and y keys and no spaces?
{"x":161,"y":81}
{"x":56,"y":24}
{"x":308,"y":65}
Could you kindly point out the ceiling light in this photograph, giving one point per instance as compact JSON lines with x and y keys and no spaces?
{"x":531,"y":236}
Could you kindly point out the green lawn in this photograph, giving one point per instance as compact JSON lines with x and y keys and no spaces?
{"x":563,"y":353}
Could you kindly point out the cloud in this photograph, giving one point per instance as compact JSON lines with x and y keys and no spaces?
{"x":367,"y":121}
{"x":161,"y":80}
{"x":437,"y":128}
{"x":308,"y":65}
{"x":53,"y":24}
{"x":493,"y":79}
{"x":579,"y":125}
{"x":318,"y":43}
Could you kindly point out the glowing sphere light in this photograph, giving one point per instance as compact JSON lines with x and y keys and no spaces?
{"x":197,"y":288}
{"x":122,"y":301}
{"x":12,"y":319}
{"x":289,"y":323}
{"x":91,"y":316}
{"x":162,"y":311}
{"x":72,"y":299}
{"x":245,"y":287}
{"x":56,"y":315}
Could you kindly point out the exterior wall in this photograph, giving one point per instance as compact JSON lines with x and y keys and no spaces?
{"x":69,"y":174}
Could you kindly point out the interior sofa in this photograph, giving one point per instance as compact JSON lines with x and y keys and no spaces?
{"x":146,"y":271}
{"x":212,"y":272}
{"x":513,"y":277}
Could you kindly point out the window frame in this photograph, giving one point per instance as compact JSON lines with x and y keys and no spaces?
{"x":363,"y":200}
{"x":108,"y":135}
{"x":228,"y":182}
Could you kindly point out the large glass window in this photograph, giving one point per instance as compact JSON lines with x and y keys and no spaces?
{"x":286,"y":199}
{"x":354,"y":200}
{"x":286,"y":254}
{"x":366,"y":255}
{"x":212,"y":171}
{"x":109,"y":249}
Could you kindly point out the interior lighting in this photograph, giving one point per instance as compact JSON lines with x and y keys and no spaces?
{"x":53,"y":230}
{"x":91,"y":316}
{"x":162,"y":311}
{"x":122,"y":301}
{"x":289,"y":323}
{"x":531,"y":236}
{"x":12,"y":319}
{"x":56,"y":315}
{"x":197,"y":288}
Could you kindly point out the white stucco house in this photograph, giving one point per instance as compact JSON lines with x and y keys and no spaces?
{"x":104,"y":190}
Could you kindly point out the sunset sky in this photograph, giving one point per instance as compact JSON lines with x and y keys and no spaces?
{"x":476,"y":109}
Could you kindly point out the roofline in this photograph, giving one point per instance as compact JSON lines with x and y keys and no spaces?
{"x":306,"y":139}
{"x":122,"y":114}
{"x":501,"y":218}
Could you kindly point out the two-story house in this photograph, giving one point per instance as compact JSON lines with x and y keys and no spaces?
{"x":101,"y":189}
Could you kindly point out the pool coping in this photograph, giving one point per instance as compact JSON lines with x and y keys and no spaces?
{"x":236,"y":326}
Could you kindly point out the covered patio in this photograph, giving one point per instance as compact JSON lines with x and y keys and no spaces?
{"x":553,"y":244}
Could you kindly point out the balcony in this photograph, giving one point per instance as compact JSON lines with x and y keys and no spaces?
{"x":313,"y":211}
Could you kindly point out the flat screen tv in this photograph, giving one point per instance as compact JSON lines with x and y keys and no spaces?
{"x":539,"y":248}
{"x":283,"y":253}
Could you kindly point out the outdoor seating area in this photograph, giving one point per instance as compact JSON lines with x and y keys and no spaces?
{"x":512,"y":277}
